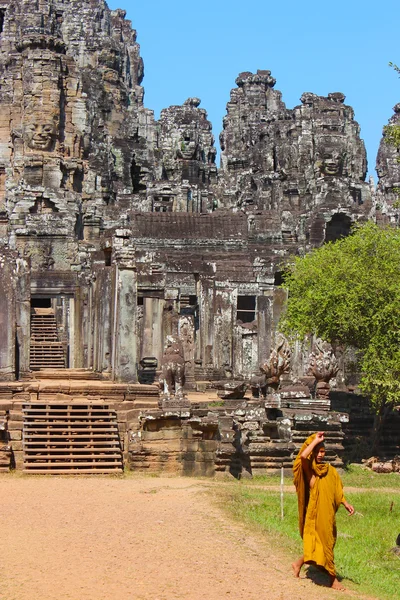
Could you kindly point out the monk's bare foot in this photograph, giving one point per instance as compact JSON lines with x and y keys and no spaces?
{"x":336,"y":585}
{"x":296,"y":566}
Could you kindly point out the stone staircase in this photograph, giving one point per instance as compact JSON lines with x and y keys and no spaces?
{"x":47,"y":351}
{"x":70,"y":438}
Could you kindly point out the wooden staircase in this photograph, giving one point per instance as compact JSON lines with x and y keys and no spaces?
{"x":47,"y":351}
{"x":67,"y":439}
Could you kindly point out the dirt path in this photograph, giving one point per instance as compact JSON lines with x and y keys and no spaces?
{"x":96,"y":538}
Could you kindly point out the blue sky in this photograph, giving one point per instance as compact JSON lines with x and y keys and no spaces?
{"x":198,"y":48}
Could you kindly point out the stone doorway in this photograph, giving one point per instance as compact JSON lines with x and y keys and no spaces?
{"x":48,"y":337}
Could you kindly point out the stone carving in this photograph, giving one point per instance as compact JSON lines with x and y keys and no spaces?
{"x":272,"y":370}
{"x":147,"y":369}
{"x":185,"y":163}
{"x":40,"y":136}
{"x":258,"y":384}
{"x":230,"y":389}
{"x":331,"y":161}
{"x":172,"y":378}
{"x":284,"y":161}
{"x":323,"y":365}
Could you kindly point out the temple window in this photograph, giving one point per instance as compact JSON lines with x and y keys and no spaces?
{"x":190,"y":300}
{"x":2,"y":15}
{"x":356,"y":195}
{"x":138,"y":184}
{"x":107,"y":257}
{"x":77,"y":181}
{"x":163,"y":204}
{"x":246,"y":309}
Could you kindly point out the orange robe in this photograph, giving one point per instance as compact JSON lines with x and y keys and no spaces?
{"x":317,"y":510}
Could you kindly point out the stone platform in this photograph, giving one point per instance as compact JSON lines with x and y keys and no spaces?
{"x":202,"y":436}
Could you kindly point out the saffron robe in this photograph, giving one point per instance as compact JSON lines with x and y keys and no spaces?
{"x":317,"y":509}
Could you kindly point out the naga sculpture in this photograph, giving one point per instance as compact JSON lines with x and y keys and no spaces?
{"x":272,"y":370}
{"x":323,"y":366}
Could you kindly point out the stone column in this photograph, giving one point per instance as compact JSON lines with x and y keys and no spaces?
{"x":23,"y":318}
{"x":147,"y":343}
{"x":225,"y":300}
{"x":124,"y":355}
{"x":103,"y":320}
{"x":79,"y":319}
{"x":205,"y":295}
{"x":71,"y":332}
{"x":7,"y":315}
{"x":264,"y":317}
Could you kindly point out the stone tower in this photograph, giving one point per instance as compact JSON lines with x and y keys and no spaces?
{"x":72,"y":118}
{"x":303,"y":166}
{"x":388,"y":169}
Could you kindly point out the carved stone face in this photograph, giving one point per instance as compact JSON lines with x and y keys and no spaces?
{"x":187,"y":146}
{"x":40,"y":136}
{"x":331,"y":164}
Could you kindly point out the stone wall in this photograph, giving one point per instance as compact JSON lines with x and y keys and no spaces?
{"x":358,"y":430}
{"x":233,"y":437}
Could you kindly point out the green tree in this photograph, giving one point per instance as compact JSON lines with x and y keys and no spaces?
{"x":347,"y":292}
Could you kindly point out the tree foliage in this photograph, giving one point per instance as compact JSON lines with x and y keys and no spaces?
{"x":347,"y":292}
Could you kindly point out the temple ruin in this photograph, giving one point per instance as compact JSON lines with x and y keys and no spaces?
{"x":140,"y":282}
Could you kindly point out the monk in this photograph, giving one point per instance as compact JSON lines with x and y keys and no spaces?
{"x":319,"y":493}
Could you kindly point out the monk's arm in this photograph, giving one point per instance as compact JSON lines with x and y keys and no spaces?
{"x":348,"y":507}
{"x":308,"y":449}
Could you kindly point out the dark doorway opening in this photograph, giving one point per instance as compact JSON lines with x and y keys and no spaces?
{"x":17,"y":353}
{"x":338,"y":227}
{"x":40,"y":302}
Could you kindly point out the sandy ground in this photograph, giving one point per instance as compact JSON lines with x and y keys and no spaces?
{"x":139,"y":538}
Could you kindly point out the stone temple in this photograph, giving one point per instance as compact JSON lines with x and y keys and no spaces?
{"x":127,"y":256}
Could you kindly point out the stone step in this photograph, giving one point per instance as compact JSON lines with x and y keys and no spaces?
{"x":80,"y":374}
{"x":46,"y":348}
{"x":75,"y":419}
{"x":101,"y":444}
{"x":74,"y":464}
{"x":43,"y":347}
{"x":68,"y":408}
{"x":95,"y":470}
{"x":67,"y":428}
{"x":76,"y":456}
{"x":70,"y":438}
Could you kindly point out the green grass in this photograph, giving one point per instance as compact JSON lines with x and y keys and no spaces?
{"x":357,"y":476}
{"x":352,"y":476}
{"x":362,"y":553}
